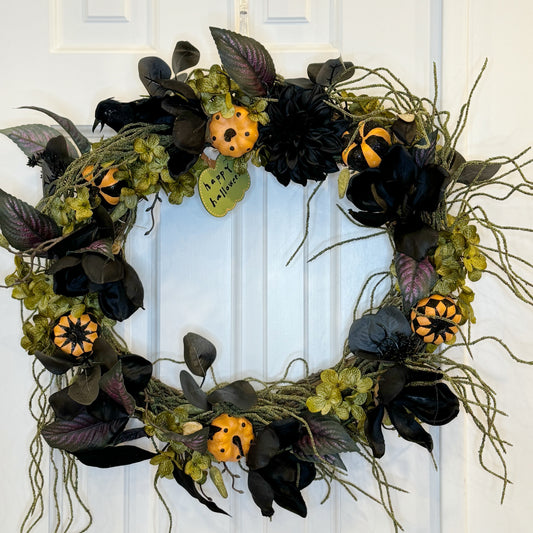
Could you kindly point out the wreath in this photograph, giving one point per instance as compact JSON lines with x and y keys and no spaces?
{"x":197,"y":131}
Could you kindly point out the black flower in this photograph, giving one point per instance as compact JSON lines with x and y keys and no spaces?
{"x":302,"y":138}
{"x":399,"y":192}
{"x":384,"y":336}
{"x":276,"y":474}
{"x":86,"y":264}
{"x":405,"y":402}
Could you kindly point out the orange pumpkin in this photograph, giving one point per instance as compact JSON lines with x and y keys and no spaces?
{"x":232,"y":439}
{"x":434,"y":319}
{"x":234,"y":136}
{"x":76,"y":336}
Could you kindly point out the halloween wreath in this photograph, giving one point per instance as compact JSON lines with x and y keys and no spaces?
{"x":399,"y":170}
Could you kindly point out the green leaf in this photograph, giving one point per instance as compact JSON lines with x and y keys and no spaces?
{"x":218,"y":481}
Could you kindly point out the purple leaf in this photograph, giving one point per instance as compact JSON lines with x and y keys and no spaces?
{"x":32,"y":138}
{"x":75,"y":134}
{"x":112,"y":383}
{"x":329,"y":435}
{"x":196,"y":441}
{"x":22,"y":225}
{"x":246,"y":61}
{"x":425,"y":156}
{"x":416,"y":278}
{"x":84,"y":432}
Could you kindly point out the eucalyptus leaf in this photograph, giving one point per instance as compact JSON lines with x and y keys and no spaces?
{"x":199,"y":353}
{"x":85,"y":387}
{"x":185,"y":56}
{"x":151,"y":70}
{"x":192,"y":391}
{"x":239,"y":393}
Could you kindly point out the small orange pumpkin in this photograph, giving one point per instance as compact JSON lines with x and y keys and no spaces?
{"x":76,"y":336}
{"x":234,"y":136}
{"x":109,"y":187}
{"x":233,"y":438}
{"x":370,"y":144}
{"x":434,"y":319}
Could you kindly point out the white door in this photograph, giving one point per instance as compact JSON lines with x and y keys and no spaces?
{"x":226,"y":278}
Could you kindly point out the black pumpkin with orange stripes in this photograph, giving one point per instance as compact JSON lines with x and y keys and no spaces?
{"x":370,"y":143}
{"x":109,"y":187}
{"x":76,"y":336}
{"x":435,"y":319}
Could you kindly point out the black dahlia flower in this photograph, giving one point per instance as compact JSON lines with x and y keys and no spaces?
{"x":384,"y":336}
{"x":302,"y":138}
{"x":399,"y":192}
{"x":407,"y":403}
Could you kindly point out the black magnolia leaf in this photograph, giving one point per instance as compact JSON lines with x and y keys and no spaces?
{"x":85,"y":387}
{"x":415,"y":241}
{"x":58,"y":363}
{"x":263,"y":448}
{"x":151,"y":70}
{"x":199,"y":353}
{"x":239,"y":393}
{"x":262,"y":493}
{"x":246,"y":61}
{"x":22,"y":225}
{"x":75,"y":134}
{"x":188,"y":484}
{"x":185,"y":56}
{"x":84,"y":432}
{"x":129,"y":434}
{"x":476,"y":172}
{"x":113,"y":456}
{"x":137,"y":372}
{"x":192,"y":391}
{"x":112,"y":383}
{"x":329,"y":437}
{"x":416,"y":278}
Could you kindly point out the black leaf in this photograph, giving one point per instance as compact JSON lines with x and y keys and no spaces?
{"x":192,"y":391}
{"x":199,"y":353}
{"x":239,"y":393}
{"x":113,"y":456}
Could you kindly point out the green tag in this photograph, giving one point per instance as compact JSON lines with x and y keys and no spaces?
{"x":344,"y":178}
{"x":221,"y":187}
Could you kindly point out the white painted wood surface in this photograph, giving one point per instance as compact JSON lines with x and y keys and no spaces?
{"x":226,"y":278}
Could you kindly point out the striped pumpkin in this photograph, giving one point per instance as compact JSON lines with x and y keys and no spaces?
{"x":370,"y":144}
